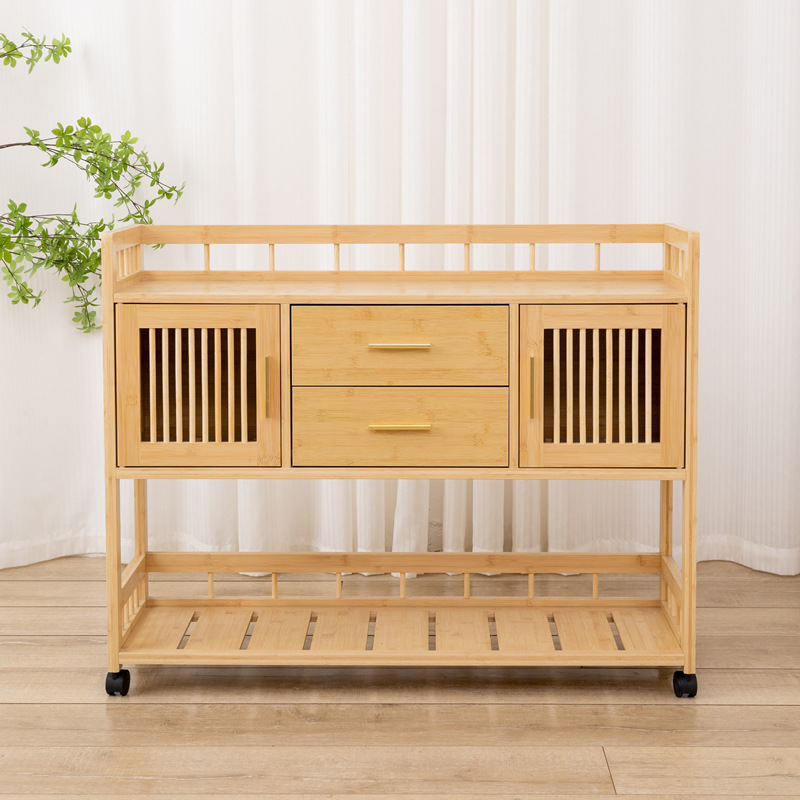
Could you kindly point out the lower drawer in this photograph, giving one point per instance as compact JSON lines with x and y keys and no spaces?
{"x":391,"y":426}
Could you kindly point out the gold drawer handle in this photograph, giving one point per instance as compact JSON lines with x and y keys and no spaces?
{"x":400,"y":345}
{"x":418,"y":426}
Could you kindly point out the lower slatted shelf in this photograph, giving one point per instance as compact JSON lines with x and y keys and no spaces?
{"x":414,"y":636}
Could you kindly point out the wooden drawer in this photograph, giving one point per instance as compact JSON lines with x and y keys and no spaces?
{"x":400,"y":345}
{"x":394,"y":426}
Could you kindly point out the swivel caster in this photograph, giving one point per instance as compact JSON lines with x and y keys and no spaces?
{"x":118,"y":682}
{"x":684,"y":684}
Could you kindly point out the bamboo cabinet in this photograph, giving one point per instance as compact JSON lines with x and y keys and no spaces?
{"x":526,"y":374}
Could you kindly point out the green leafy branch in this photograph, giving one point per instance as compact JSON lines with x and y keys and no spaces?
{"x":62,"y":241}
{"x":11,"y":52}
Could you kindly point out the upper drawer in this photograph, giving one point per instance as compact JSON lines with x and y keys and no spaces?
{"x":400,"y":345}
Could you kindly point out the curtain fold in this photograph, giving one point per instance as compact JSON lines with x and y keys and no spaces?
{"x":407,"y":111}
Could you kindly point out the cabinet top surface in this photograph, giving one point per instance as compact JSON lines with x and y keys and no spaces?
{"x":406,"y":287}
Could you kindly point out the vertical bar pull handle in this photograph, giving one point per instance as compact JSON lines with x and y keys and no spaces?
{"x":266,"y":386}
{"x":532,"y":388}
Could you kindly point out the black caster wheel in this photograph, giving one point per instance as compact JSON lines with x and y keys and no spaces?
{"x":118,"y":682}
{"x":684,"y":684}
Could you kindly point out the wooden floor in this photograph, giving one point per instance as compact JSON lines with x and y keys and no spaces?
{"x":403,"y":733}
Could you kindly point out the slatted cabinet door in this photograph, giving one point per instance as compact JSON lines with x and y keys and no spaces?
{"x":198,"y":385}
{"x":602,"y":386}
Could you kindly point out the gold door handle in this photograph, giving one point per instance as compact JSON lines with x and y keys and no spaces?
{"x":400,"y":345}
{"x":266,"y":387}
{"x":532,"y":388}
{"x":415,"y":426}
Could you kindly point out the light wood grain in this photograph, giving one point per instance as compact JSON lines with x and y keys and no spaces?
{"x":394,"y":796}
{"x":524,"y":629}
{"x":392,"y":234}
{"x":192,"y":770}
{"x":462,"y":631}
{"x":341,"y":629}
{"x":161,"y":628}
{"x":521,"y":563}
{"x":380,"y":345}
{"x":401,"y":629}
{"x":430,"y":288}
{"x":304,"y":722}
{"x":468,"y":426}
{"x":280,"y":630}
{"x":586,"y":627}
{"x":715,"y":771}
{"x":217,"y":629}
{"x":584,"y":630}
{"x":264,"y":451}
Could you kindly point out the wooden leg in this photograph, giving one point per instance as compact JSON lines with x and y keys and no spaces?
{"x":689,"y":569}
{"x":113,"y":572}
{"x":666,"y":518}
{"x":140,"y":528}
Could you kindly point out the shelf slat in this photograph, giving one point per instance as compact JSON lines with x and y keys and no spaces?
{"x":221,"y":628}
{"x":584,"y":629}
{"x":160,"y":628}
{"x":341,"y":629}
{"x":281,"y":629}
{"x":462,"y":630}
{"x":400,"y":629}
{"x":523,"y":630}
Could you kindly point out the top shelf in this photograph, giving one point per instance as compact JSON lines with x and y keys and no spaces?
{"x":402,"y":288}
{"x":126,"y":280}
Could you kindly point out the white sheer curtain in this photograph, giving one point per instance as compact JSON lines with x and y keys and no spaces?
{"x":416,"y":111}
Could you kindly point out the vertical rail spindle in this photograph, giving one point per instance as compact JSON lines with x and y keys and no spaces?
{"x":595,"y":385}
{"x":556,"y":385}
{"x":217,"y":384}
{"x":648,"y":386}
{"x":151,"y":343}
{"x":204,"y":380}
{"x":609,"y":386}
{"x":178,"y":384}
{"x":570,"y":388}
{"x":243,"y":381}
{"x":582,"y":384}
{"x":165,"y":383}
{"x":635,"y":386}
{"x":192,"y":387}
{"x":621,"y":362}
{"x":231,"y":389}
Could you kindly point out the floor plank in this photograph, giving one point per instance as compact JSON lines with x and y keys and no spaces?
{"x":24,"y":680}
{"x":45,"y":620}
{"x":393,"y":796}
{"x":407,"y":724}
{"x":190,"y":770}
{"x":715,"y":771}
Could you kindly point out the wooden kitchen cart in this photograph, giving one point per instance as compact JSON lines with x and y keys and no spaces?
{"x":526,"y":374}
